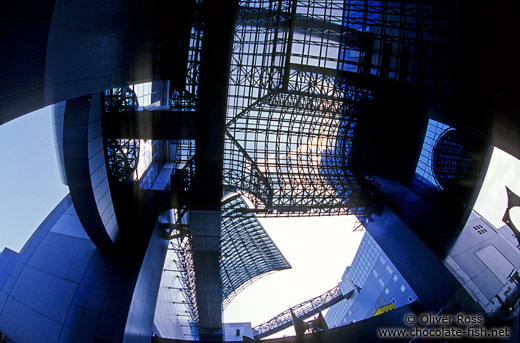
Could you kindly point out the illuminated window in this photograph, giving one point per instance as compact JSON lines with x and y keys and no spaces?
{"x":145,"y":158}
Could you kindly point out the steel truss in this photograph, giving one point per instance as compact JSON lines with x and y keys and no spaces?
{"x":119,"y":100}
{"x":452,"y":158}
{"x":283,"y":121}
{"x":187,"y":99}
{"x":183,"y":248}
{"x":247,"y":252}
{"x":289,"y":151}
{"x":259,"y":51}
{"x":293,"y":107}
{"x":183,"y":172}
{"x":303,"y":310}
{"x":122,"y":155}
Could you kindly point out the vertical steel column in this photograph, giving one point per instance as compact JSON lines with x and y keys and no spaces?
{"x":206,"y":192}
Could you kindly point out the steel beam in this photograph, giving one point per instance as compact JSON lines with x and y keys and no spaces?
{"x":173,"y":125}
{"x":303,"y":310}
{"x":206,"y":190}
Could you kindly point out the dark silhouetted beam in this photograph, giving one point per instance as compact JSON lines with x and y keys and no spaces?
{"x":306,"y":25}
{"x":150,"y":125}
{"x":206,"y":190}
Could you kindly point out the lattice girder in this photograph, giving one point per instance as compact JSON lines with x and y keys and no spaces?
{"x":291,"y":138}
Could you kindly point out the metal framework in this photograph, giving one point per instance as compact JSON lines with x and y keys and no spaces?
{"x":182,"y":246}
{"x":187,"y":99}
{"x":183,"y":172}
{"x":407,"y":41}
{"x":303,"y":310}
{"x":247,"y":252}
{"x":122,"y":155}
{"x":299,"y":71}
{"x":119,"y":100}
{"x":284,"y":119}
{"x":452,"y":159}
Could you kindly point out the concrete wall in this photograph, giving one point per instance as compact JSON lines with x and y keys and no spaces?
{"x":232,"y":329}
{"x":55,"y":50}
{"x":428,"y":277}
{"x":85,"y":169}
{"x":484,"y":278}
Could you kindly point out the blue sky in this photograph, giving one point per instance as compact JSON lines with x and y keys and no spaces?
{"x":30,"y":186}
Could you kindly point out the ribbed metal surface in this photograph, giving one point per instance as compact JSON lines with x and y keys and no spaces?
{"x":247,"y":251}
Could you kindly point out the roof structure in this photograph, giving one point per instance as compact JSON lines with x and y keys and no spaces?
{"x":247,"y":253}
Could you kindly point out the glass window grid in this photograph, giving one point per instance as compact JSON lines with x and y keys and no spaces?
{"x":273,"y":164}
{"x":424,"y":29}
{"x":424,"y":170}
{"x":293,"y":174}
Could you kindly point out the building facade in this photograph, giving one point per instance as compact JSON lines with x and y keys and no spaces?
{"x":376,"y":282}
{"x":484,"y":260}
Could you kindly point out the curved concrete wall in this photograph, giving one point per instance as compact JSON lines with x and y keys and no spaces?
{"x":86,"y":172}
{"x":60,"y":50}
{"x":54,"y":50}
{"x":58,"y":114}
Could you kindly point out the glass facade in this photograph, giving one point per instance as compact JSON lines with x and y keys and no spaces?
{"x":404,"y":41}
{"x":290,"y":116}
{"x":298,"y":72}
